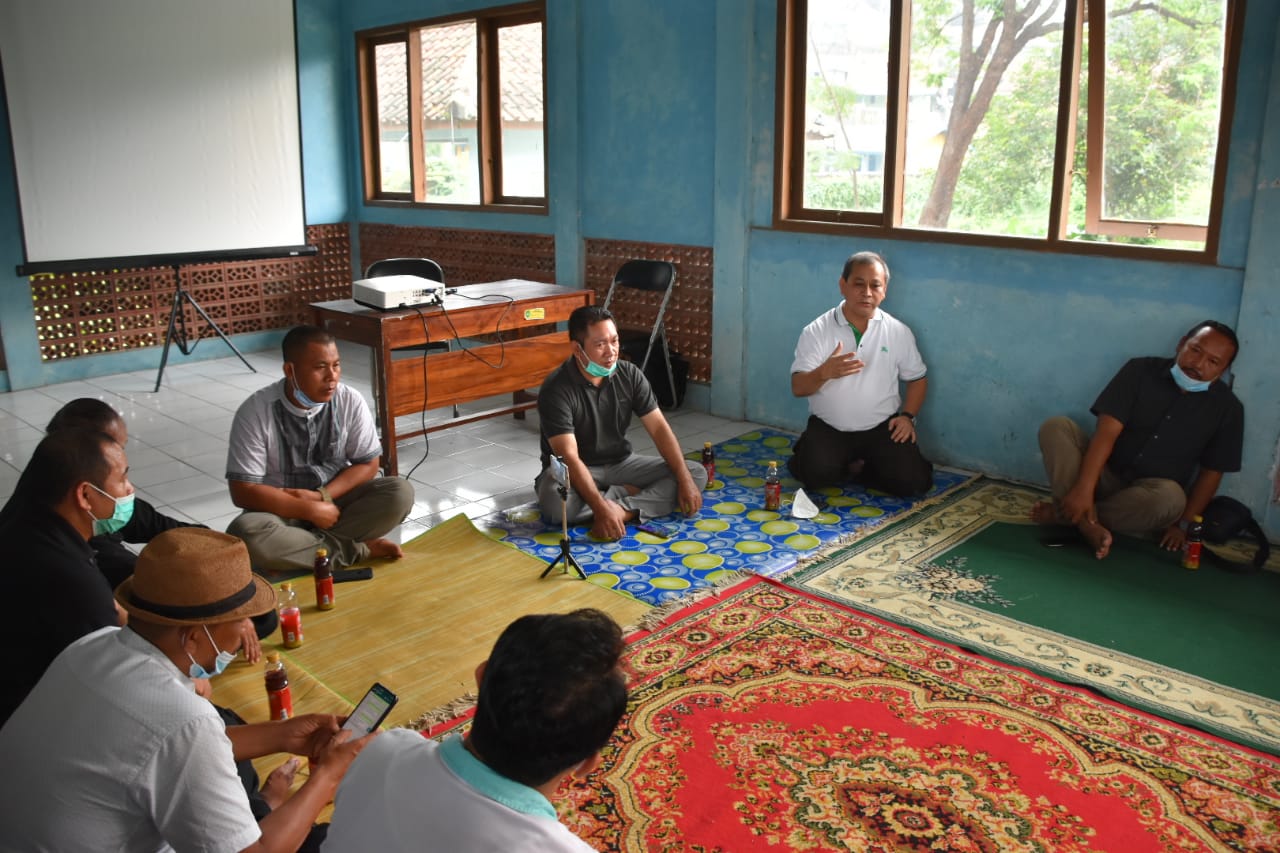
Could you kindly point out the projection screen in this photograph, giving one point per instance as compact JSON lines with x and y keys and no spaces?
{"x":153,"y":132}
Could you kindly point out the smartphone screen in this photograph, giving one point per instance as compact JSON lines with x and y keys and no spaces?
{"x":371,"y":711}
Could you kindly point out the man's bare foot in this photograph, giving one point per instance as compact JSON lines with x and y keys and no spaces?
{"x":276,"y":789}
{"x":384,"y":549}
{"x":1098,"y":537}
{"x":1044,"y":512}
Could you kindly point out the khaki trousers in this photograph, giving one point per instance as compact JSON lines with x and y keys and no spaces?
{"x":1136,"y":507}
{"x":369,"y":511}
{"x":657,"y":496}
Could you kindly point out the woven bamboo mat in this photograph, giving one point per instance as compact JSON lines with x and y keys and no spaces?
{"x":420,"y":626}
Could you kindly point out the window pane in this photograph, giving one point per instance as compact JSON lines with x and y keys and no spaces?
{"x":391,"y":82}
{"x":520,"y":87}
{"x":450,"y":95}
{"x":1163,"y":93}
{"x":846,"y":89}
{"x":982,"y":116}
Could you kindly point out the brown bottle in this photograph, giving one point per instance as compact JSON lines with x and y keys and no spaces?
{"x":324,"y":580}
{"x":279,"y":697}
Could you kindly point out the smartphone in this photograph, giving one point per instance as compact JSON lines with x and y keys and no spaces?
{"x":371,"y":711}
{"x":343,"y":575}
{"x":653,"y":528}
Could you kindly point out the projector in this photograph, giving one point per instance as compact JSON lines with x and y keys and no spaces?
{"x":388,"y":292}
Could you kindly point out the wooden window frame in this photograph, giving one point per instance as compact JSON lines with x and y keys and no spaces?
{"x":489,"y":23}
{"x":790,"y":214}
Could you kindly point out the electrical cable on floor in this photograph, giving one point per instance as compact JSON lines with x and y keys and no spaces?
{"x":502,"y":354}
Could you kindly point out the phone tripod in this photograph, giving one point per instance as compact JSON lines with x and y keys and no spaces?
{"x":565,"y":556}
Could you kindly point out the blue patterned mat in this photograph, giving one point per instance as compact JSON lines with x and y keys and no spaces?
{"x":732,"y":532}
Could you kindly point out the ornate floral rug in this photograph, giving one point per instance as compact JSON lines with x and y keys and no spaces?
{"x":732,"y":533}
{"x":771,"y":719}
{"x":1199,"y":647}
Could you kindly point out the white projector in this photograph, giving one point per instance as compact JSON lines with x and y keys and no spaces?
{"x":397,"y":291}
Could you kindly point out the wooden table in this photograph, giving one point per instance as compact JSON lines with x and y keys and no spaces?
{"x":516,"y":320}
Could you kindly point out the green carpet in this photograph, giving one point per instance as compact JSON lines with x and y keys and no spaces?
{"x":1139,"y":600}
{"x":1199,"y":647}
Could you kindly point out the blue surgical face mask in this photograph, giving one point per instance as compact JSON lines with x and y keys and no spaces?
{"x":1185,"y":382}
{"x":119,"y":516}
{"x":597,"y":370}
{"x":220,"y":663}
{"x":307,"y":402}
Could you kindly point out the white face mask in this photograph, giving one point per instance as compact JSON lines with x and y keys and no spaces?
{"x":220,"y":663}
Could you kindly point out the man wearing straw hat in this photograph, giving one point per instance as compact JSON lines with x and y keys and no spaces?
{"x":113,"y":750}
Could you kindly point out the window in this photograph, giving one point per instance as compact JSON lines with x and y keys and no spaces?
{"x":1068,"y":121}
{"x":452,"y":109}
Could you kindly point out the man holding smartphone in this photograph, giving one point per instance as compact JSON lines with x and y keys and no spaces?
{"x":551,"y":695}
{"x":151,"y":765}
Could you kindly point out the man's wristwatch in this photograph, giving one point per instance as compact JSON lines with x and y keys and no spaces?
{"x":324,"y":495}
{"x":906,"y":415}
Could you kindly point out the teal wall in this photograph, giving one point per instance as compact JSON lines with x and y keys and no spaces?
{"x":661,"y":128}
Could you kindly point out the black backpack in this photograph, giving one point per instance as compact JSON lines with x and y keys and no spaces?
{"x":1226,"y":518}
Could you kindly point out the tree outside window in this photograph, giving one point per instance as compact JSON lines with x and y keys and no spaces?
{"x":1063,"y":120}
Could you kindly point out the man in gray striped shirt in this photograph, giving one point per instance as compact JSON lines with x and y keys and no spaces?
{"x":303,"y":464}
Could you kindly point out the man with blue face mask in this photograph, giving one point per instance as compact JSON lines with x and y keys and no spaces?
{"x":1167,"y":431}
{"x":75,"y":486}
{"x":585,"y":407}
{"x":303,"y":464}
{"x":150,"y":765}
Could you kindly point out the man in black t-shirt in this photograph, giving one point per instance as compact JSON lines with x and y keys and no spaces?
{"x":585,"y":407}
{"x":76,"y":485}
{"x":1167,"y":431}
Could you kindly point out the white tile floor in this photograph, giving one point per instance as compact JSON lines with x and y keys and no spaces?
{"x":178,"y":439}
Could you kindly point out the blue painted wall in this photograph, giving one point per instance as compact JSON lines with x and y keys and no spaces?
{"x":661,"y":123}
{"x":648,"y":120}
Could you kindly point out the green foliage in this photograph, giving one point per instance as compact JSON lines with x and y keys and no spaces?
{"x":1163,"y":82}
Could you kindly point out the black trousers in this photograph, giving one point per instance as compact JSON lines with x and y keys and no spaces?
{"x":823,"y":455}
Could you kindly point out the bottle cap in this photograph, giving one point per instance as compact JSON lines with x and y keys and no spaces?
{"x":273,"y":657}
{"x":1199,"y":519}
{"x":706,"y":444}
{"x":322,"y":552}
{"x":286,"y":587}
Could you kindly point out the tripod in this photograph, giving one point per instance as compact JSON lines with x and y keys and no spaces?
{"x":565,"y":555}
{"x":177,"y":330}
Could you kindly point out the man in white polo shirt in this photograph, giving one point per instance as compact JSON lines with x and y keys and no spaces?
{"x":849,"y":363}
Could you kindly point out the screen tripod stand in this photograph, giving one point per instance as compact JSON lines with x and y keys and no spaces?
{"x":177,"y":329}
{"x":560,"y":472}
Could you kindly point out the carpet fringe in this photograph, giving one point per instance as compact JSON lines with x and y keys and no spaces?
{"x":443,"y":714}
{"x":651,"y":621}
{"x":655,"y":618}
{"x":853,"y":536}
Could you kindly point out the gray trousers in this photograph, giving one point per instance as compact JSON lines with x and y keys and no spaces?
{"x":1136,"y":507}
{"x":369,"y":511}
{"x":657,"y":496}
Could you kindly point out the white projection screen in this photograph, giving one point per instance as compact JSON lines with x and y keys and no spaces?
{"x":153,"y":132}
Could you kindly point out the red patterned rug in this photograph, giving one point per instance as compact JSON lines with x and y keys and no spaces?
{"x":770,"y":719}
